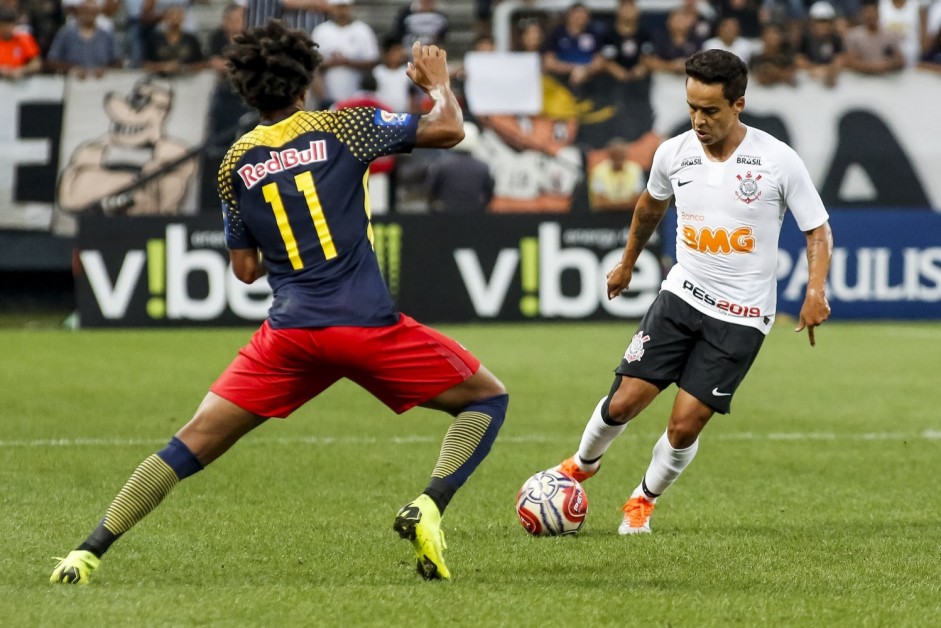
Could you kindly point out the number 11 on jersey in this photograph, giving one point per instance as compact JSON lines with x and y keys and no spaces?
{"x":305,"y":185}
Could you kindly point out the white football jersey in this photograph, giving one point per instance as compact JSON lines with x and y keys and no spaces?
{"x":729,"y":216}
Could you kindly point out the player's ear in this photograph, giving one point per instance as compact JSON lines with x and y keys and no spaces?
{"x":739,"y":105}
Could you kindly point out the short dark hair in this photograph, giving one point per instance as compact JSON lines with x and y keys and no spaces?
{"x":270,"y":66}
{"x":719,"y":66}
{"x":389,"y":42}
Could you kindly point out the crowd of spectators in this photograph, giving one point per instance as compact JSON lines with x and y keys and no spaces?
{"x":783,"y":42}
{"x":777,"y":38}
{"x":780,"y":40}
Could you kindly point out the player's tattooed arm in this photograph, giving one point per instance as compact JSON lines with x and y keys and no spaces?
{"x":647,"y":215}
{"x":816,"y":309}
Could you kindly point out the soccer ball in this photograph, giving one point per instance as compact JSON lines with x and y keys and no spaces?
{"x":551,"y":503}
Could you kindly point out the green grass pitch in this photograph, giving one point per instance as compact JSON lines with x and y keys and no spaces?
{"x":816,"y":503}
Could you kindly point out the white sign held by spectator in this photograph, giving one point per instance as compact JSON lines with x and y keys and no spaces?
{"x":503,"y":83}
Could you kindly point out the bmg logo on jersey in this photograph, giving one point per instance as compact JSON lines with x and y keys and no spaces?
{"x":253,"y":174}
{"x":719,"y":241}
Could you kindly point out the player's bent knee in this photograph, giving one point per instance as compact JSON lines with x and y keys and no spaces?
{"x":620,"y":410}
{"x":628,"y":398}
{"x":682,"y":432}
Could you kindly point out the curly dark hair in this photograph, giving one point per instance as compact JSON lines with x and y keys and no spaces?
{"x":270,"y":66}
{"x":719,"y":66}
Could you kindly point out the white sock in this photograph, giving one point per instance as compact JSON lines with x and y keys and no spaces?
{"x":596,"y":439}
{"x":665,"y":466}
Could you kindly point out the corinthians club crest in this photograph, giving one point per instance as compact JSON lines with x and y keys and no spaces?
{"x":635,"y":351}
{"x":748,"y":190}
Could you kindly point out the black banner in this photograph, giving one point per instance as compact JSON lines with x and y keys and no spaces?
{"x":153,"y":271}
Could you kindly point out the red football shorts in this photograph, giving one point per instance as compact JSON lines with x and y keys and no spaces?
{"x":403,"y":365}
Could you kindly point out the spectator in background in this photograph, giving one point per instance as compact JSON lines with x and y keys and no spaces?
{"x":381,"y":186}
{"x":531,"y":37}
{"x":421,"y":21}
{"x":458,"y":71}
{"x":789,"y":15}
{"x":305,"y":15}
{"x":870,"y":49}
{"x":393,"y":86}
{"x":616,"y":182}
{"x":458,"y":182}
{"x":748,"y":14}
{"x":137,"y":29}
{"x":625,"y":46}
{"x":83,"y":48}
{"x":171,"y":51}
{"x":45,"y":18}
{"x":226,"y":108}
{"x":672,"y":47}
{"x":625,"y":57}
{"x":931,"y":59}
{"x":573,"y":49}
{"x":349,"y":48}
{"x":19,"y":52}
{"x":847,"y":12}
{"x":483,"y":11}
{"x":728,"y":37}
{"x":104,"y":20}
{"x":231,"y":24}
{"x":783,"y":13}
{"x":907,"y":20}
{"x":484,"y":43}
{"x":150,"y":15}
{"x":821,"y":49}
{"x":774,"y":64}
{"x":703,"y":15}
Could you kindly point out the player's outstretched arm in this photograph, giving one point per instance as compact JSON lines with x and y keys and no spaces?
{"x":816,"y":309}
{"x":443,"y":126}
{"x":647,"y":215}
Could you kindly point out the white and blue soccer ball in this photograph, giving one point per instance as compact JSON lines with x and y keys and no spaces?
{"x":551,"y":503}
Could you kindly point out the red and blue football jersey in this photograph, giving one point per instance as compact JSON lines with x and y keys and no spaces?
{"x":296,"y":190}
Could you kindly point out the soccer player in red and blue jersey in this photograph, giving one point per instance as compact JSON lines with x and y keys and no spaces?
{"x":296,"y":207}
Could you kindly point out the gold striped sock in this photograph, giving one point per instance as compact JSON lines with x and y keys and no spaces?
{"x":459,"y":444}
{"x":145,"y":489}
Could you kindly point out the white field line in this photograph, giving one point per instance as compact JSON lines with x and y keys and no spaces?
{"x":929,"y":435}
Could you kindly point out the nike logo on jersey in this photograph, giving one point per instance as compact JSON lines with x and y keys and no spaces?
{"x":716,"y":393}
{"x":682,"y":183}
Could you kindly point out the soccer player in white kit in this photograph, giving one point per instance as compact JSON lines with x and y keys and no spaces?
{"x":731,"y":185}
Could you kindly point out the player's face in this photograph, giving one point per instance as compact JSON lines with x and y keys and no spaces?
{"x":711,"y":115}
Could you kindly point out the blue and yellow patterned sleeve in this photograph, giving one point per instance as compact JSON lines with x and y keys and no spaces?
{"x":372,"y":133}
{"x":237,"y":235}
